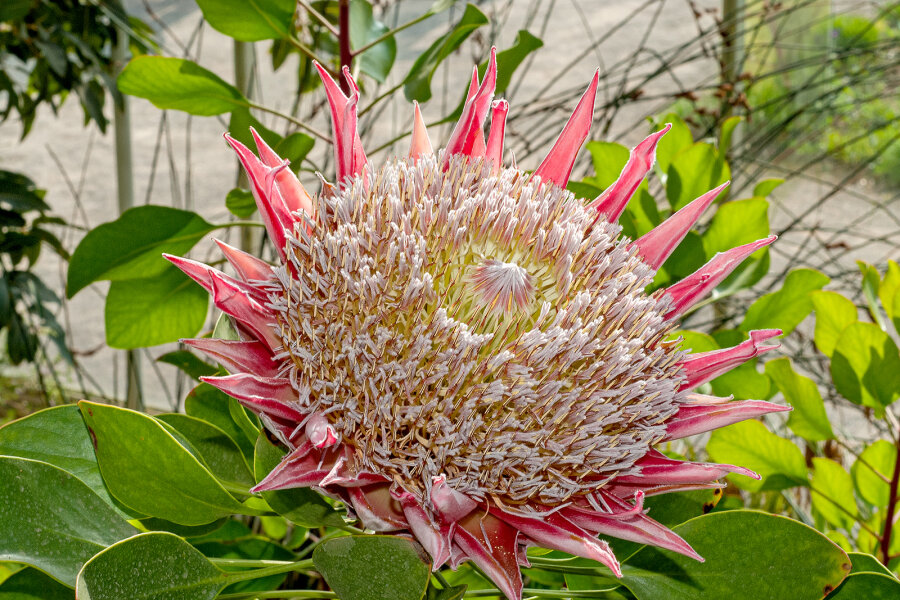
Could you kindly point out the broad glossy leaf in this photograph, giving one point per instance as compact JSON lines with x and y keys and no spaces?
{"x":417,"y":83}
{"x":51,"y":520}
{"x":749,"y":444}
{"x":188,"y":362}
{"x":211,"y":405}
{"x":866,"y":563}
{"x":787,"y":307}
{"x":150,"y":566}
{"x":608,"y":159}
{"x":832,"y":493}
{"x":454,"y":592}
{"x":867,"y":586}
{"x":373,"y":567}
{"x":872,"y":471}
{"x":677,"y":139}
{"x":294,"y":148}
{"x":250,"y":20}
{"x":693,"y":172}
{"x":249,"y":547}
{"x":58,"y":436}
{"x":31,"y":584}
{"x":175,"y":83}
{"x":749,"y":555}
{"x":833,"y":314}
{"x":865,"y":366}
{"x":218,"y":451}
{"x":240,"y":203}
{"x":130,"y":246}
{"x":146,"y":468}
{"x":301,"y":506}
{"x":364,"y":28}
{"x":808,"y":419}
{"x":147,"y":312}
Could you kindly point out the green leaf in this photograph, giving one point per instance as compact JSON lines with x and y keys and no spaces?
{"x":872,"y":471}
{"x":20,"y":193}
{"x":737,"y":222}
{"x":725,"y":134}
{"x":865,"y":366}
{"x":749,"y":555}
{"x":833,"y":314}
{"x":31,"y":584}
{"x":211,"y":405}
{"x":219,"y":452}
{"x":148,"y":312}
{"x":14,"y":10}
{"x":766,"y":187}
{"x":808,"y":419}
{"x":301,"y":506}
{"x":888,"y":290}
{"x":866,"y":563}
{"x":189,"y":363}
{"x":148,"y":469}
{"x":52,"y":521}
{"x":58,"y":436}
{"x":749,"y":444}
{"x":871,"y":281}
{"x":253,"y":548}
{"x":417,"y":83}
{"x":832,"y":493}
{"x":250,"y":20}
{"x":240,"y":203}
{"x":609,"y":158}
{"x":373,"y":567}
{"x":294,"y":148}
{"x":511,"y":58}
{"x":867,"y":586}
{"x":175,"y":83}
{"x":693,"y":172}
{"x":787,"y":307}
{"x":454,"y":592}
{"x":130,"y":246}
{"x":150,"y":566}
{"x":364,"y":28}
{"x":678,"y":138}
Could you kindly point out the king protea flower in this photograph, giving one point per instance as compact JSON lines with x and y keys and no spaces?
{"x":464,"y":352}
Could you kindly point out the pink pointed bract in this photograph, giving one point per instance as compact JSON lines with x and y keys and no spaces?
{"x":465,"y":353}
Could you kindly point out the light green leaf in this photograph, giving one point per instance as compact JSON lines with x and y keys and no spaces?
{"x":301,"y":506}
{"x":749,"y":444}
{"x":766,"y":187}
{"x":887,"y":291}
{"x":150,"y":566}
{"x":872,"y":471}
{"x":608,"y":159}
{"x":866,"y":563}
{"x":148,"y":469}
{"x":364,"y":28}
{"x":250,"y":20}
{"x":808,"y":419}
{"x":373,"y":567}
{"x":175,"y":83}
{"x":52,"y":521}
{"x":148,"y":312}
{"x":31,"y":584}
{"x":787,"y":307}
{"x":693,"y":172}
{"x":748,"y":555}
{"x":417,"y":83}
{"x":871,"y":281}
{"x":867,"y":586}
{"x":865,"y":366}
{"x":726,"y":132}
{"x":294,"y":148}
{"x":832,"y":493}
{"x":240,"y":203}
{"x":833,"y":314}
{"x":696,"y":341}
{"x":737,"y":222}
{"x":678,"y":138}
{"x":130,"y":246}
{"x":219,"y":452}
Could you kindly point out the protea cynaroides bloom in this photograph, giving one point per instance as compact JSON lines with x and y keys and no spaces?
{"x":465,"y":352}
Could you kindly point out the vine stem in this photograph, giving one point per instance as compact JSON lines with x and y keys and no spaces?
{"x":891,"y":508}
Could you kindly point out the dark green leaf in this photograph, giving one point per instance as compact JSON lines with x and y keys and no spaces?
{"x":693,"y":172}
{"x":250,"y":20}
{"x":146,"y":468}
{"x":833,"y":314}
{"x":185,"y":531}
{"x":13,"y":10}
{"x":51,"y":520}
{"x":364,"y":28}
{"x":787,"y":307}
{"x":57,"y":436}
{"x":175,"y":83}
{"x":211,"y":405}
{"x":252,"y":548}
{"x":751,"y":445}
{"x":865,"y":366}
{"x":239,"y":125}
{"x":301,"y":506}
{"x":749,"y":555}
{"x":150,"y":566}
{"x":189,"y":363}
{"x":31,"y":584}
{"x":511,"y":58}
{"x":417,"y":83}
{"x":294,"y":148}
{"x":373,"y":567}
{"x":454,"y":592}
{"x":147,"y":312}
{"x":20,"y":193}
{"x":240,"y":203}
{"x":867,"y":586}
{"x":808,"y":419}
{"x":130,"y":246}
{"x":218,"y":451}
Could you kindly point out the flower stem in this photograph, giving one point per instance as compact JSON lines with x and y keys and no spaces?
{"x":281,"y":567}
{"x":892,"y":506}
{"x":541,"y":593}
{"x":278,"y":594}
{"x":344,"y":41}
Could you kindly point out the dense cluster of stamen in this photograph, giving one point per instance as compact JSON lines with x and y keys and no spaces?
{"x":486,"y":328}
